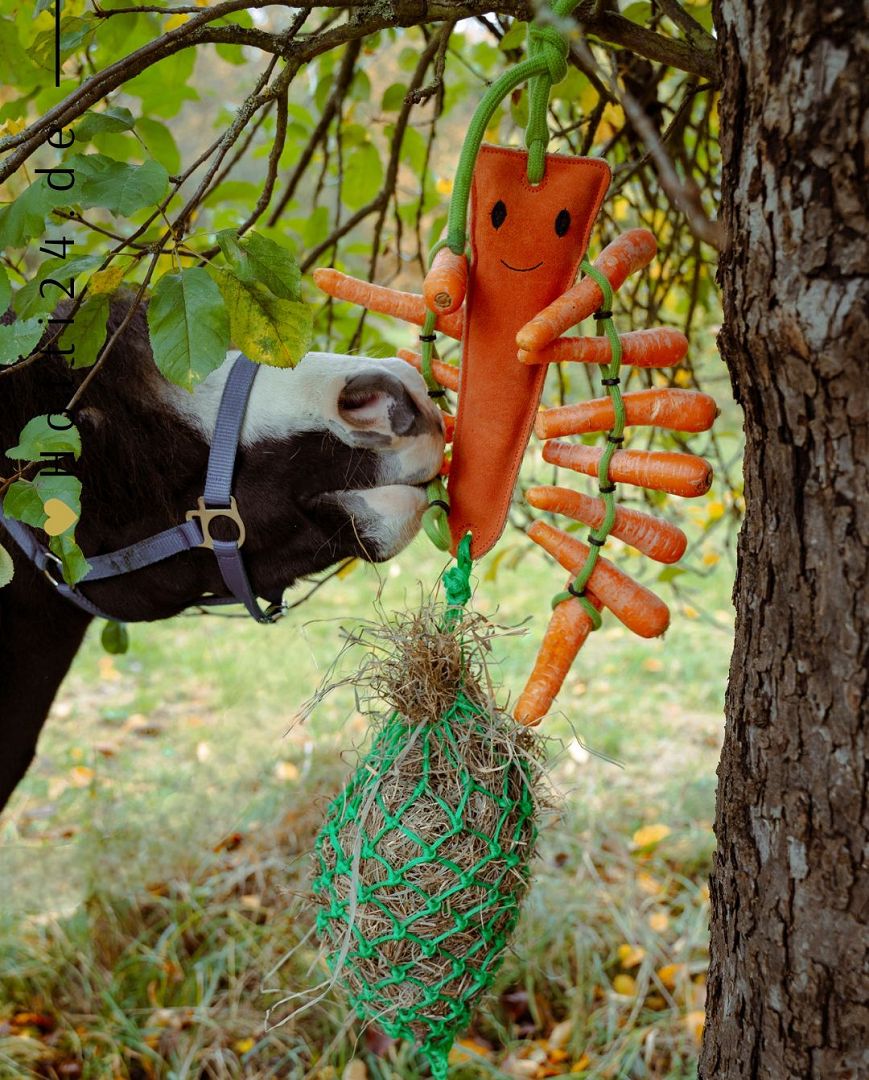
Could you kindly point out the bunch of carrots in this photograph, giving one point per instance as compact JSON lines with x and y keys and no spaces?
{"x":540,"y":342}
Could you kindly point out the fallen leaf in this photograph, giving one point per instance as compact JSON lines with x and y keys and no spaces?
{"x":243,"y":1046}
{"x":670,"y":973}
{"x":650,"y":835}
{"x":630,"y":955}
{"x":80,"y":776}
{"x":694,"y":1022}
{"x":625,"y":985}
{"x":560,"y":1034}
{"x":659,"y":921}
{"x":355,"y":1070}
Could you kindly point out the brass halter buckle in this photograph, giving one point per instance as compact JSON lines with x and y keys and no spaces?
{"x":207,"y":514}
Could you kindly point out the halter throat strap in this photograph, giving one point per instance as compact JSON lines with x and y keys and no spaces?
{"x":216,"y":502}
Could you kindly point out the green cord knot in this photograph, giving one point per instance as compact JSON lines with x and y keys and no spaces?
{"x":552,"y":45}
{"x":546,"y":47}
{"x":457,"y":580}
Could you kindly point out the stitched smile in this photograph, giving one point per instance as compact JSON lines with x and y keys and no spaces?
{"x":521,"y":269}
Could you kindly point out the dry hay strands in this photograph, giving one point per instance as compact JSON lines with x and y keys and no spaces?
{"x":424,"y":859}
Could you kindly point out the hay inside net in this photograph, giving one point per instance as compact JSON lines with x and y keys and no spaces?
{"x":423,"y":861}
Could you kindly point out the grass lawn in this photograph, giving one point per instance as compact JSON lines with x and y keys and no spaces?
{"x":154,"y":861}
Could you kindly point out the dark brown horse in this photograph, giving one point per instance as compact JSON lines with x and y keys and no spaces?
{"x":332,"y":462}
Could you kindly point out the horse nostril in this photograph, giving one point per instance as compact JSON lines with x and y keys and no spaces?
{"x":380,"y":400}
{"x":362,"y":408}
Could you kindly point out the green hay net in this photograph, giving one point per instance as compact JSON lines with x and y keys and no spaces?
{"x":422,"y":865}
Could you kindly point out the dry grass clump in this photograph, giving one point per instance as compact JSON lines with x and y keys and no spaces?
{"x":423,"y":862}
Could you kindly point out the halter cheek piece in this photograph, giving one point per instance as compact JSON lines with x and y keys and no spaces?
{"x":217,"y":502}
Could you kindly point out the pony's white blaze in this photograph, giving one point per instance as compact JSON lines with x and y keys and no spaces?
{"x":303,"y":398}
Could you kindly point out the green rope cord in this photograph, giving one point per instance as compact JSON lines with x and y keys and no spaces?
{"x":614,"y":436}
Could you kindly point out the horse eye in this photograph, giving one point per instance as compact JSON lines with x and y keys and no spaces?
{"x":562,"y":223}
{"x":499,"y":213}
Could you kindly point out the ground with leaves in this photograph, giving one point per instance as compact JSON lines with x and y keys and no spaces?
{"x":159,"y":850}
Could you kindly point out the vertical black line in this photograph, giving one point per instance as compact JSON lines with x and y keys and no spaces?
{"x":57,"y":4}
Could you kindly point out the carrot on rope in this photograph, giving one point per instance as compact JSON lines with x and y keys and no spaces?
{"x":402,"y":305}
{"x":654,"y":347}
{"x":568,"y":629}
{"x":631,"y":251}
{"x":446,"y":282}
{"x":660,"y":470}
{"x":631,"y":603}
{"x":660,"y":540}
{"x":446,"y":374}
{"x":664,"y":407}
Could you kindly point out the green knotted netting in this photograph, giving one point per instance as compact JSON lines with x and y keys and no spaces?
{"x":426,"y":982}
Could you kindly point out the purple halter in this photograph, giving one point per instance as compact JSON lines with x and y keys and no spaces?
{"x":217,"y":502}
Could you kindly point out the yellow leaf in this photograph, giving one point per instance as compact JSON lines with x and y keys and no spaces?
{"x":443,"y":186}
{"x":630,"y":955}
{"x":12,"y":127}
{"x":348,"y":567}
{"x":653,"y":663}
{"x":107,"y":669}
{"x":714,"y":510}
{"x":649,"y":885}
{"x":693,"y":1022}
{"x":690,"y":612}
{"x":582,"y":1064}
{"x":659,"y":921}
{"x":669,"y":973}
{"x":682,"y":377}
{"x":106,"y":281}
{"x":710,"y":558}
{"x":650,"y":835}
{"x":286,"y":770}
{"x":468,"y":1050}
{"x":174,"y":21}
{"x":242,"y":1046}
{"x":80,"y":775}
{"x":626,"y":985}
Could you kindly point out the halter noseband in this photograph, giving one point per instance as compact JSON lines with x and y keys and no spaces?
{"x":217,"y":502}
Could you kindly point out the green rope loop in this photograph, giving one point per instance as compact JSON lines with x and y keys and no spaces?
{"x":605,"y":486}
{"x":457,"y":580}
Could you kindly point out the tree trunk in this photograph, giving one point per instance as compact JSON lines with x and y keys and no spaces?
{"x":787,"y":985}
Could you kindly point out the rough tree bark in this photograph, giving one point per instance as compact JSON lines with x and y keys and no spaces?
{"x":787,"y":988}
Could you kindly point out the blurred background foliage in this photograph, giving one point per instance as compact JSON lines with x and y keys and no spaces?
{"x":162,"y":795}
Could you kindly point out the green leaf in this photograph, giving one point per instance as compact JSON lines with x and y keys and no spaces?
{"x":266,"y":328}
{"x":25,"y":499}
{"x":189,"y":326}
{"x":122,"y":189}
{"x":316,"y":227}
{"x":87,"y":334}
{"x":393,"y":97}
{"x":255,"y":258}
{"x":19,"y":340}
{"x":5,"y":289}
{"x":363,"y":175}
{"x":7,"y":569}
{"x":515,"y":37}
{"x":114,"y":118}
{"x":162,"y":87}
{"x":669,"y":573}
{"x":638,"y":13}
{"x":75,"y":565}
{"x":27,"y":302}
{"x":115,"y":638}
{"x":24,"y":218}
{"x":160,"y":143}
{"x":39,"y":438}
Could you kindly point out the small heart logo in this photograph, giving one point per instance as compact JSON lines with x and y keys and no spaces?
{"x":60,"y":517}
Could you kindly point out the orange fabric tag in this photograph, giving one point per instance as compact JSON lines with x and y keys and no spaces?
{"x":526,"y":245}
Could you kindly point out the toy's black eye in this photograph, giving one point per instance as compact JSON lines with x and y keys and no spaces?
{"x":499,"y":214}
{"x":562,"y":223}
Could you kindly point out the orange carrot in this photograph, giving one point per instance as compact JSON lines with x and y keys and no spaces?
{"x":661,"y":470}
{"x":631,"y":251}
{"x":446,"y":374}
{"x":660,"y":540}
{"x":446,"y":282}
{"x":654,"y":347}
{"x":568,"y":629}
{"x":407,"y":306}
{"x":664,"y":407}
{"x":633,"y":604}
